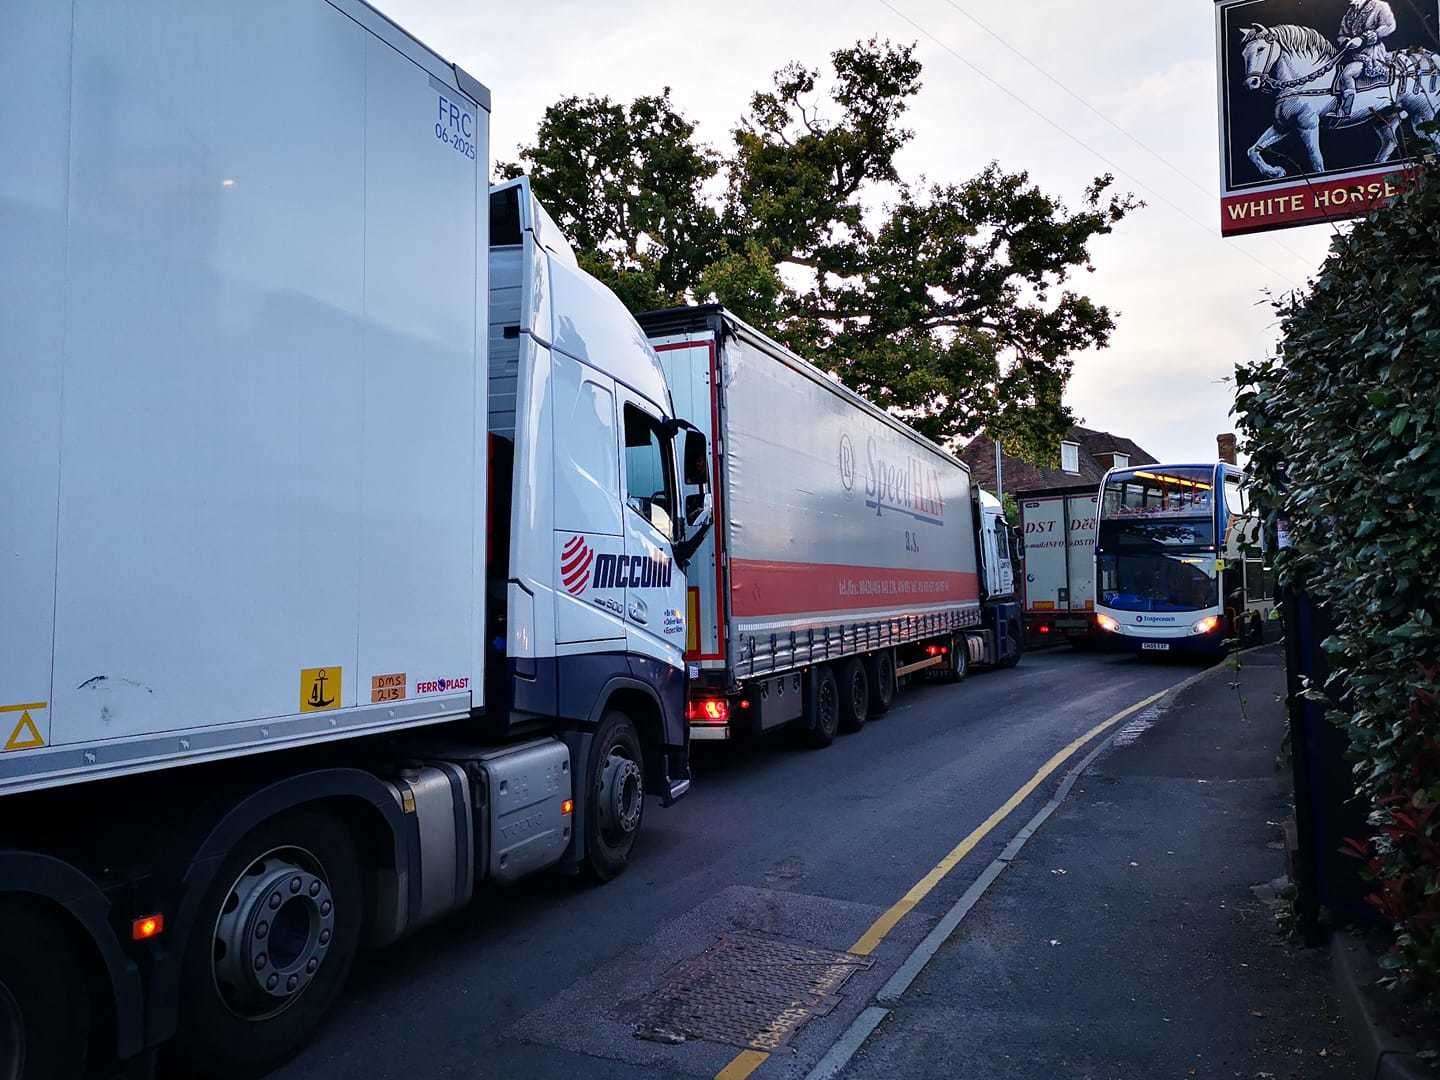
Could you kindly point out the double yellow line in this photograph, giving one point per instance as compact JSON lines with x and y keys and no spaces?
{"x":747,"y":1061}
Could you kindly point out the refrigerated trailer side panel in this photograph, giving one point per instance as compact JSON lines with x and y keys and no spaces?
{"x":251,"y":388}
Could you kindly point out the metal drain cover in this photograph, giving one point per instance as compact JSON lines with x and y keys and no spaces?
{"x":746,"y":990}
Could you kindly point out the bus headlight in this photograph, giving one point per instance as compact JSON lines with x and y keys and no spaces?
{"x":1106,"y":623}
{"x":1205,"y":625}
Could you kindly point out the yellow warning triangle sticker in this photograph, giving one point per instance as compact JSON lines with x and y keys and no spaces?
{"x":26,"y":735}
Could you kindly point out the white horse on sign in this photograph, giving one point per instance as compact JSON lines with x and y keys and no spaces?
{"x":1298,"y":65}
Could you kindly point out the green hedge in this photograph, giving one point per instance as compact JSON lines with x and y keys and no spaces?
{"x":1343,"y":427}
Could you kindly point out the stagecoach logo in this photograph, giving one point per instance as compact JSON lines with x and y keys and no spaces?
{"x":582,"y":568}
{"x":1155,"y":618}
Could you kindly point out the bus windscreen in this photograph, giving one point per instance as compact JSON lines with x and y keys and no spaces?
{"x":1146,"y":509}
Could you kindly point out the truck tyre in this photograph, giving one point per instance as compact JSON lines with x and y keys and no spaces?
{"x":822,"y":713}
{"x":854,"y":695}
{"x":959,"y":660}
{"x":616,"y":782}
{"x":1017,"y":640}
{"x":44,"y":1009}
{"x":881,"y":669}
{"x":271,"y":948}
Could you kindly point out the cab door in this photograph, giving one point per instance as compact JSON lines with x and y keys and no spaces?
{"x":654,"y":586}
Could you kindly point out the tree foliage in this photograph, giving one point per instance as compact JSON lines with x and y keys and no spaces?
{"x":1344,"y":434}
{"x":946,"y":303}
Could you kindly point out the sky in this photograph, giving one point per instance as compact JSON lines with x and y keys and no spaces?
{"x":1190,"y":304}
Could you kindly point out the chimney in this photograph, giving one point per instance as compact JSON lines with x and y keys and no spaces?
{"x":1226,"y":445}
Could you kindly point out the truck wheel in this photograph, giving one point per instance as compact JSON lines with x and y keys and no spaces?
{"x":44,"y":1009}
{"x":1018,"y":642}
{"x":822,"y":717}
{"x":959,"y":665}
{"x":881,"y":667}
{"x":271,"y":947}
{"x":616,"y":782}
{"x":854,"y":695}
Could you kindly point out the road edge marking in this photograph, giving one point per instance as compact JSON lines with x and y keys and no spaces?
{"x":881,"y":927}
{"x":742,"y":1065}
{"x":845,"y":1048}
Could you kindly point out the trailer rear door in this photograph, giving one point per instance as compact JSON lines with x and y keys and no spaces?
{"x":1080,"y":551}
{"x":1046,"y":584}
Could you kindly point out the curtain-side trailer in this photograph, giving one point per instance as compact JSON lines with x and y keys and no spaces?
{"x":849,"y":553}
{"x":342,"y":521}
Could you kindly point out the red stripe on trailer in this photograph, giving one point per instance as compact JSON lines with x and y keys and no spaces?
{"x":574,"y":544}
{"x":759,"y":587}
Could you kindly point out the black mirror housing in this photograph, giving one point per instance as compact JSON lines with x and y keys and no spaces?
{"x":697,"y":459}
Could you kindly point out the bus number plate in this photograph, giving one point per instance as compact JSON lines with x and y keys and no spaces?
{"x":1156,"y":646}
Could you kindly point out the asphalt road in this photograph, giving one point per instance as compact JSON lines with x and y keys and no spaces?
{"x":808,"y":847}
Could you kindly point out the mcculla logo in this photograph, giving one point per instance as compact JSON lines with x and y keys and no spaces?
{"x":582,"y":567}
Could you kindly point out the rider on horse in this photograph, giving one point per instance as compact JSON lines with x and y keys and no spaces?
{"x":1363,"y":28}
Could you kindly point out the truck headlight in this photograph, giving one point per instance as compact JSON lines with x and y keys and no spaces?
{"x":1205,"y":625}
{"x":1105,"y":622}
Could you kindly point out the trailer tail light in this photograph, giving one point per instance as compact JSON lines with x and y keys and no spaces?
{"x":708,"y":710}
{"x":936,"y":650}
{"x":150,"y":926}
{"x":1044,"y":628}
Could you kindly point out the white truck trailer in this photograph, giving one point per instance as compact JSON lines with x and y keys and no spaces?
{"x":341,"y":560}
{"x":851,"y":552}
{"x":1058,"y":534}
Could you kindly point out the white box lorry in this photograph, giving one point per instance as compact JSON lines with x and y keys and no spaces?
{"x":1058,"y":535}
{"x":340,"y":532}
{"x":851,"y":551}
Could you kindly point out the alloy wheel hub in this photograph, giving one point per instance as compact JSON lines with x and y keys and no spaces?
{"x":274,"y":930}
{"x":621,"y":795}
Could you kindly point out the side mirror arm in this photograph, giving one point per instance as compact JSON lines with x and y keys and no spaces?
{"x":695,"y":532}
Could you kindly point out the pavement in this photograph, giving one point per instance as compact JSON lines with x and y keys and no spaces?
{"x":1126,"y":938}
{"x":802,"y":849}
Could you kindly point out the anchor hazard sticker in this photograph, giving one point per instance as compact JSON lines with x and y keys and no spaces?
{"x":321,"y":688}
{"x":25,"y":733}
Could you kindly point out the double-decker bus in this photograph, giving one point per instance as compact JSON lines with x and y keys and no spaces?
{"x":1179,"y":564}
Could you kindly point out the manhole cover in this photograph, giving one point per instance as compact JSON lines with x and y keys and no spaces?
{"x":746,"y":990}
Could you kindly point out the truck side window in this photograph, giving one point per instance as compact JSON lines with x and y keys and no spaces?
{"x":649,"y":471}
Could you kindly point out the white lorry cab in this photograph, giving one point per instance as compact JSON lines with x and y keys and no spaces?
{"x":343,"y":528}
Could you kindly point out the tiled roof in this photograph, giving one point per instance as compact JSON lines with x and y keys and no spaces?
{"x":1021,"y":476}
